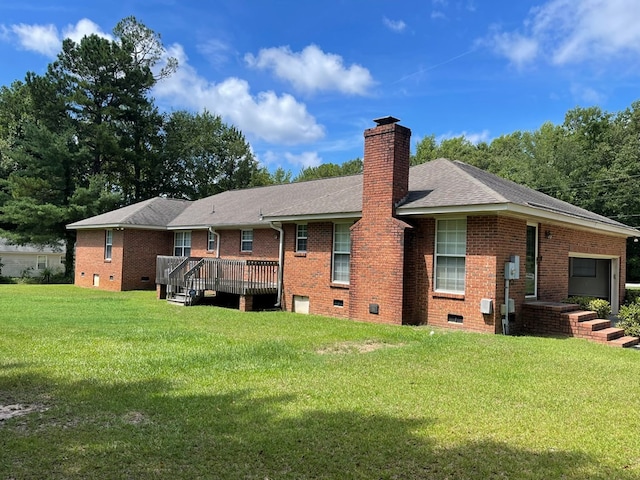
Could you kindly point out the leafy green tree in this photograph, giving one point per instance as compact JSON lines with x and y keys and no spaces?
{"x":326,"y":170}
{"x":204,"y":156}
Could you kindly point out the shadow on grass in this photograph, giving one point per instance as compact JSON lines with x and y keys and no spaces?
{"x":143,"y":430}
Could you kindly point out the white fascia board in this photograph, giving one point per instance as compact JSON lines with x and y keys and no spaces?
{"x":114,"y":226}
{"x":314,"y":217}
{"x":526,"y":211}
{"x":239,"y":226}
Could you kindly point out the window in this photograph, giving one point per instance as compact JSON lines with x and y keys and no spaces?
{"x":211,"y":242}
{"x":341,"y":253}
{"x":246,"y":244}
{"x":182,"y":244}
{"x":531,"y":269}
{"x":451,"y":249}
{"x":41,"y":262}
{"x":301,"y":238}
{"x":108,"y":244}
{"x":583,"y":267}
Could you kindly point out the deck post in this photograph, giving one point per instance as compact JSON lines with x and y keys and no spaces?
{"x":246,"y":303}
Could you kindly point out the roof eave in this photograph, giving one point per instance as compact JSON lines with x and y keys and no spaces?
{"x":526,"y":211}
{"x":113,"y":226}
{"x":313,"y":217}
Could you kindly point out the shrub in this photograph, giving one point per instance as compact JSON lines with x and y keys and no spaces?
{"x":598,"y":305}
{"x":631,"y":295}
{"x":630,"y":319}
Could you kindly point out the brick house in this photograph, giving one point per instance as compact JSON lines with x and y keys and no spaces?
{"x":427,"y":244}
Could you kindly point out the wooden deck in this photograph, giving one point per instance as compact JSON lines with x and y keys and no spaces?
{"x":240,"y":277}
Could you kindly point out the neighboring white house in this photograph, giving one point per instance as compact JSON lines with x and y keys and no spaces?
{"x":29,"y":260}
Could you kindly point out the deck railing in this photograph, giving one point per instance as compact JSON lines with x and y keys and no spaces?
{"x":242,"y":277}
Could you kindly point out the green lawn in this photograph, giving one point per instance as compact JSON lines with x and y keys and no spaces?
{"x":124,"y":386}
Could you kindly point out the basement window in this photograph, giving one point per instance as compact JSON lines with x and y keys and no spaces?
{"x":338,"y":303}
{"x":452,"y":318}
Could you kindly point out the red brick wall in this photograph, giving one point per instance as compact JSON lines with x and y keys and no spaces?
{"x":90,"y":260}
{"x":377,"y":269}
{"x":309,"y":274}
{"x":553,"y":266}
{"x":133,"y":256}
{"x":386,"y":169}
{"x":139,"y":257}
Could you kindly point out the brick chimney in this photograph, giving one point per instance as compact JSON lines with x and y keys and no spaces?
{"x":386,"y":167}
{"x":376,"y":291}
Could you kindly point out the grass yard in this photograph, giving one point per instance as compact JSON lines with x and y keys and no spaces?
{"x":121,"y":386}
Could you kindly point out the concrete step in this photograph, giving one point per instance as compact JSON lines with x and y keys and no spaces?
{"x":624,"y":342}
{"x":607,"y":334}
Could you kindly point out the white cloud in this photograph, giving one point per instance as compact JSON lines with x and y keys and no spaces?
{"x":273,"y":118}
{"x":46,"y":39}
{"x":41,"y":39}
{"x":215,"y":50}
{"x":573,"y":31}
{"x":585,"y":94}
{"x":395,"y":25}
{"x":313,"y":70}
{"x":84,"y":28}
{"x":473,"y":137}
{"x":518,"y":49}
{"x":304,"y":159}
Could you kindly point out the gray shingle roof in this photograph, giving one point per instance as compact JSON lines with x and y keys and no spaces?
{"x":155,"y":212}
{"x":444,"y":182}
{"x":7,"y":247}
{"x":432,"y":185}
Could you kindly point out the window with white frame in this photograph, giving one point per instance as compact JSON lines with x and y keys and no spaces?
{"x":211,"y":241}
{"x":41,"y":262}
{"x":182,"y":244}
{"x":108,"y":244}
{"x":301,"y":237}
{"x":451,"y":250}
{"x":246,"y":242}
{"x":341,"y":253}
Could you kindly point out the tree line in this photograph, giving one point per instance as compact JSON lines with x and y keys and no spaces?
{"x":86,"y":137}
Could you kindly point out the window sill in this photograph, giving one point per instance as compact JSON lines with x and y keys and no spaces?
{"x":246,"y":253}
{"x":300,"y":254}
{"x":450,"y":296}
{"x":341,"y":286}
{"x":107,"y":260}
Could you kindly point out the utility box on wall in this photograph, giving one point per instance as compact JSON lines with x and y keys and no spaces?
{"x":486,"y":306}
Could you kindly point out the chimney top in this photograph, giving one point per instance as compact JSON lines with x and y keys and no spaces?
{"x":388,"y":120}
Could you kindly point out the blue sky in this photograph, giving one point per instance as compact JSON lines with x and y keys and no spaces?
{"x":303,"y":79}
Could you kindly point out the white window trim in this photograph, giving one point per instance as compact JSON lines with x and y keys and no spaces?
{"x":436,"y":255}
{"x":300,"y":237}
{"x":243,"y":241}
{"x":211,"y":241}
{"x":185,"y":234}
{"x":108,"y":244}
{"x":334,"y":252}
{"x":535,"y":272}
{"x":46,"y":264}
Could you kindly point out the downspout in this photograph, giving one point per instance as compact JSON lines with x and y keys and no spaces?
{"x":217,"y":235}
{"x":278,"y":226}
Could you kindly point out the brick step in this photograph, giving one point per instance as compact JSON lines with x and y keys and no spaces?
{"x":624,"y":342}
{"x":607,"y":334}
{"x":593,"y":325}
{"x":577,"y":316}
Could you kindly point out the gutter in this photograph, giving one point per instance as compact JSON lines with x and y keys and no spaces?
{"x":278,"y":226}
{"x":217,"y":235}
